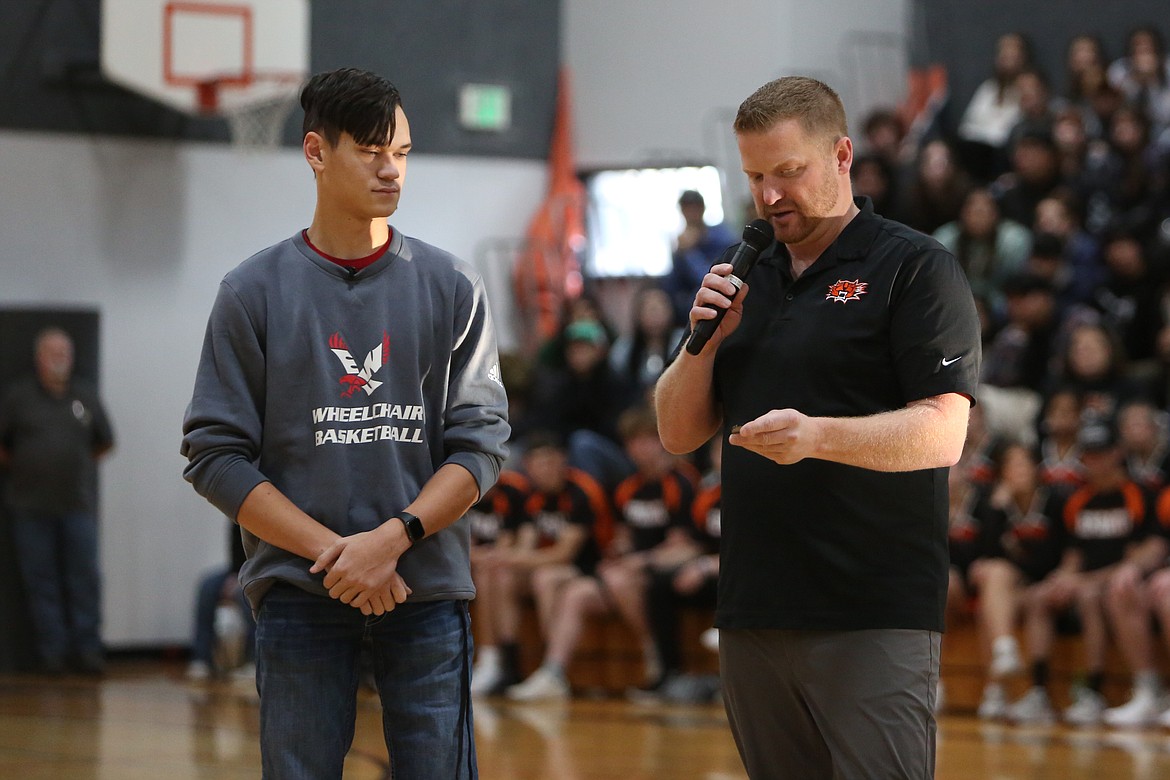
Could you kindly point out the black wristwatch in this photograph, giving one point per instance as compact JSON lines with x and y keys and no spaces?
{"x":414,"y":526}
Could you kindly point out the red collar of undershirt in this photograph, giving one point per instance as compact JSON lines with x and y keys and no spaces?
{"x":356,"y":264}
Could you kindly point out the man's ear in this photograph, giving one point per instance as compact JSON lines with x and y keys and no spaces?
{"x":844,"y":154}
{"x":314,"y":148}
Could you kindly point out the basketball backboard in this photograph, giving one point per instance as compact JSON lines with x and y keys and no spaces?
{"x":207,"y":57}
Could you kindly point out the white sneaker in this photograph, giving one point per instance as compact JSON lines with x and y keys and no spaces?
{"x":541,"y":685}
{"x":245,"y":673}
{"x":1087,"y":708}
{"x":994,"y":705}
{"x":1032,"y":708}
{"x":1005,"y":658}
{"x":1142,"y":710}
{"x":485,"y":677}
{"x":198,"y":671}
{"x":710,"y":639}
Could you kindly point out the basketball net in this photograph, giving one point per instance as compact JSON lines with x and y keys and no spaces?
{"x":255,"y":125}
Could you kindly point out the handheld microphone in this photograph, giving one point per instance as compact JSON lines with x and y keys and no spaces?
{"x":757,"y":234}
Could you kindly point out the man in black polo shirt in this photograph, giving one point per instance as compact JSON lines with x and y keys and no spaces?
{"x":843,"y":384}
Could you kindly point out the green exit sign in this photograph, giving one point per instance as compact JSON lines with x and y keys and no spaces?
{"x":485,"y":107}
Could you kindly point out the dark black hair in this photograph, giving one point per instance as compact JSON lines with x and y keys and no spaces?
{"x":349,"y":100}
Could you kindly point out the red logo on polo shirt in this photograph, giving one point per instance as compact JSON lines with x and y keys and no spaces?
{"x":360,"y":376}
{"x":844,"y":291}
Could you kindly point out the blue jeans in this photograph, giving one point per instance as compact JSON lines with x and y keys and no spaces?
{"x":207,"y":599}
{"x":307,"y":667}
{"x":59,"y":565}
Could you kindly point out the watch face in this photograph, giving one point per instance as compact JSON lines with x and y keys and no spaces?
{"x":414,"y":529}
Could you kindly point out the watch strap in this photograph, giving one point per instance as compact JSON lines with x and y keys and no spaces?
{"x":413,"y":525}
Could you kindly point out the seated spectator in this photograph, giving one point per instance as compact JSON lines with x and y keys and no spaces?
{"x":988,"y":247}
{"x":1156,"y":387}
{"x":1082,"y":270}
{"x":994,"y":110}
{"x":1016,"y":365}
{"x":1036,"y":110}
{"x":581,"y":402}
{"x":1060,"y":456}
{"x":225,"y":631}
{"x":1144,"y":437}
{"x":1138,"y":590}
{"x":652,"y":532}
{"x":639,"y":357}
{"x":1072,"y":146}
{"x":691,"y":583}
{"x":1119,"y":181}
{"x":883,"y":136}
{"x":1093,"y":364}
{"x":875,"y":179}
{"x":1085,"y":67}
{"x":1034,"y":175}
{"x":583,"y":308}
{"x":1130,"y":299}
{"x":1014,"y":549}
{"x":494,"y":522}
{"x":1046,"y":261}
{"x":698,"y":247}
{"x":1099,"y":527}
{"x":936,"y":190}
{"x":1143,"y":75}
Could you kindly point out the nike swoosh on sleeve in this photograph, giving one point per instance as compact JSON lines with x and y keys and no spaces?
{"x":946,"y":362}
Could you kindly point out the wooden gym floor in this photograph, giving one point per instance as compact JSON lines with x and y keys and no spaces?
{"x":145,"y":721}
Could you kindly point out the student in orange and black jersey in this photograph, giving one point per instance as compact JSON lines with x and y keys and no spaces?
{"x":1107,"y":522}
{"x":1139,"y":589}
{"x":655,"y":532}
{"x":555,"y":534}
{"x":1006,"y":546}
{"x":652,"y":531}
{"x":494,"y":521}
{"x":694,"y":582}
{"x":1060,"y":457}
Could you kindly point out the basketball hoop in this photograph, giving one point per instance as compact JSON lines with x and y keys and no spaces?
{"x":257,"y":123}
{"x":242,"y":61}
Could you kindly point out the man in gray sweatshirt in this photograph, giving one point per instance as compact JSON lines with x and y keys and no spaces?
{"x":347,"y":411}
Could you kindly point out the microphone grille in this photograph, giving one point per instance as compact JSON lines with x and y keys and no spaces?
{"x":758,"y":233}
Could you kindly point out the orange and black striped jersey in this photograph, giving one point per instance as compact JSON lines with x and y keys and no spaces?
{"x":650,"y":507}
{"x":500,"y":509}
{"x":1103,"y":524}
{"x":580,"y":502}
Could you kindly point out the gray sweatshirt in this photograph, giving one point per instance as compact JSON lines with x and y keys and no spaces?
{"x":347,"y":392}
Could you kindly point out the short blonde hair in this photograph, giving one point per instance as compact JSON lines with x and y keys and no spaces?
{"x":812,"y":102}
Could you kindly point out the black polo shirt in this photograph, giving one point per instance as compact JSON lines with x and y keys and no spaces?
{"x":884,"y":317}
{"x":51,"y":442}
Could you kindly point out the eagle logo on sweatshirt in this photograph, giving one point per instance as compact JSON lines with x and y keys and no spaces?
{"x":360,"y":376}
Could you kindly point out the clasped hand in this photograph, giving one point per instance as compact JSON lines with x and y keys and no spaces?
{"x":782,"y":435}
{"x":362,"y":571}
